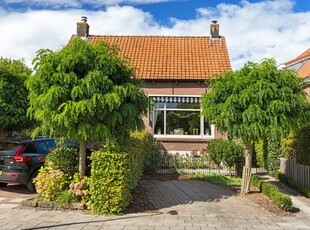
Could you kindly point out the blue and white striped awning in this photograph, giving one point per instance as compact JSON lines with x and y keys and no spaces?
{"x":170,"y":99}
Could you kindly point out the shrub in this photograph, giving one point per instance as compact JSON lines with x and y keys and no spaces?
{"x":215,"y":150}
{"x":217,"y":179}
{"x":50,"y":182}
{"x":226,"y":151}
{"x":261,"y":153}
{"x":256,"y":182}
{"x":287,"y":146}
{"x":109,"y":182}
{"x":274,"y":152}
{"x":65,"y":159}
{"x":79,"y":187}
{"x":301,"y":145}
{"x":293,"y":184}
{"x":67,"y":197}
{"x":116,"y":172}
{"x":281,"y":200}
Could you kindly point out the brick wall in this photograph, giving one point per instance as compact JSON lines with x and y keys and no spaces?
{"x":175,"y":88}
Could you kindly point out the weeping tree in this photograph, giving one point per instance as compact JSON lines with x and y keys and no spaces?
{"x":256,"y":102}
{"x":85,"y":92}
{"x":13,"y":96}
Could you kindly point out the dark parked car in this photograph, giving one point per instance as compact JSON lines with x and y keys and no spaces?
{"x":22,"y":157}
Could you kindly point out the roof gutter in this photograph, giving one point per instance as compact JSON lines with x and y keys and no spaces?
{"x":294,"y":63}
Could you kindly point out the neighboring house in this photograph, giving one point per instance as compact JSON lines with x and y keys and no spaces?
{"x":173,"y":69}
{"x":302,"y":65}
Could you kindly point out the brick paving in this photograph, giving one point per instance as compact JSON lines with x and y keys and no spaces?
{"x":184,"y":205}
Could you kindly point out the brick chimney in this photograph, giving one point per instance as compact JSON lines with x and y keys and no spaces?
{"x":82,"y":28}
{"x":215,"y":30}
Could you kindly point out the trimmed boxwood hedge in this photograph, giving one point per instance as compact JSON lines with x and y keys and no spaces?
{"x":283,"y":201}
{"x":291,"y":183}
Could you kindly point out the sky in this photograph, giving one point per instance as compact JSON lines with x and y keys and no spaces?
{"x":253,"y":29}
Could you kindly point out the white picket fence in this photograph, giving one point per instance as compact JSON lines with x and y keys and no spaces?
{"x":299,"y":173}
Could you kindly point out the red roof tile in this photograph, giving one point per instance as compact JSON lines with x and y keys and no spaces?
{"x":304,"y":71}
{"x":304,"y":55}
{"x":172,"y":57}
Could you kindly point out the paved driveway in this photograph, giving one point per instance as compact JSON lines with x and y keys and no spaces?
{"x":184,"y":205}
{"x":193,"y":197}
{"x":12,"y":195}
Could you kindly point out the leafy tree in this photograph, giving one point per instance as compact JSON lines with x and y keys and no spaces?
{"x":255,"y":102}
{"x":86,"y":92}
{"x":13,"y":96}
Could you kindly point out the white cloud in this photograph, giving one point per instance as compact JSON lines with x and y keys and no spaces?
{"x":253,"y":30}
{"x":79,"y":3}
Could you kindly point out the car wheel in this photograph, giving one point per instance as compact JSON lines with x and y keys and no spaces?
{"x":30,"y":185}
{"x":3,"y":185}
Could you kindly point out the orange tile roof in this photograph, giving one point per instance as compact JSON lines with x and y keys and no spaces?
{"x":304,"y":71}
{"x":172,"y":57}
{"x":304,"y":55}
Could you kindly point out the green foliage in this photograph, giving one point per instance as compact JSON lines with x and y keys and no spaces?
{"x":274,"y":152}
{"x":79,"y":187}
{"x":281,"y":200}
{"x":261,"y":153}
{"x":50,"y":182}
{"x":144,"y":152}
{"x":229,"y":152}
{"x":65,"y":159}
{"x":13,"y":96}
{"x":256,"y":102}
{"x":109,"y":182}
{"x":86,"y":92}
{"x":291,"y":183}
{"x":217,"y":179}
{"x":256,"y":182}
{"x":154,"y":158}
{"x":287,"y":146}
{"x":216,"y":150}
{"x":301,"y":145}
{"x":67,"y":197}
{"x":116,"y":172}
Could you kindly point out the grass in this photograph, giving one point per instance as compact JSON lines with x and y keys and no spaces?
{"x":217,"y":179}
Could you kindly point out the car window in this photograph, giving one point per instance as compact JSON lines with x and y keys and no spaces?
{"x":8,"y":148}
{"x":42,"y":147}
{"x":30,"y":148}
{"x":51,"y":144}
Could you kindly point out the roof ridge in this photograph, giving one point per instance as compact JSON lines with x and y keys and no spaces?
{"x":165,"y":36}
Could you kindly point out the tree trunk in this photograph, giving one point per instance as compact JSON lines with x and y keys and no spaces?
{"x":246,"y":175}
{"x":82,"y":159}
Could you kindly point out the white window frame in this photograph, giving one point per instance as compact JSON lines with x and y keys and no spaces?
{"x":173,"y":136}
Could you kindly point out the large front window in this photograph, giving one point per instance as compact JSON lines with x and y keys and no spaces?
{"x":179,"y":118}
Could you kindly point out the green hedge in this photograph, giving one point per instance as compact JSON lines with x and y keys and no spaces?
{"x":109,"y":182}
{"x":115,"y":173}
{"x":228,"y":152}
{"x":256,"y":182}
{"x":65,"y":159}
{"x":293,"y":184}
{"x":281,"y":200}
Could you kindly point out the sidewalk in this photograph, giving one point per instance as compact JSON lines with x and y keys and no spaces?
{"x":301,"y":204}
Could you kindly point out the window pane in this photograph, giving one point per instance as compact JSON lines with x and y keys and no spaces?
{"x":183,"y":123}
{"x":159,"y":105}
{"x":183,"y":106}
{"x":159,"y":122}
{"x":207,"y":129}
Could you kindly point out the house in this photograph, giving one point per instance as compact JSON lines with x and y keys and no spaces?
{"x":173,"y":69}
{"x":302,"y":65}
